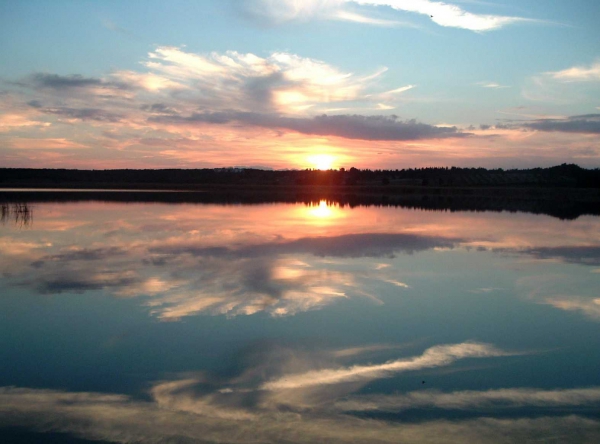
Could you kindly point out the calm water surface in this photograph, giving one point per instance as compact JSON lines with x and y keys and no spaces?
{"x":291,"y":323}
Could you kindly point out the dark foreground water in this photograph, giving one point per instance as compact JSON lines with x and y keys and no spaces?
{"x":288,"y":323}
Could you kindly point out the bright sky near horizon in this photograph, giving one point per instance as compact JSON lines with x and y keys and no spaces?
{"x":299,"y":83}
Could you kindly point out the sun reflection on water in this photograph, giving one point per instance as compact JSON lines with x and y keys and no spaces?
{"x":322,"y":211}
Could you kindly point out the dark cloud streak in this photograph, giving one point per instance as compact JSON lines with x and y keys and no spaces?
{"x":346,"y":126}
{"x":585,"y":124}
{"x":55,"y":81}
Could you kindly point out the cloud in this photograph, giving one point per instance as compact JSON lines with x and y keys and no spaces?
{"x":584,"y":124}
{"x":94,"y":114}
{"x":575,"y":85}
{"x":448,"y":15}
{"x":492,"y":85}
{"x":183,"y":92}
{"x":577,"y":74}
{"x":23,"y":143}
{"x":13,"y":121}
{"x":58,"y":82}
{"x":280,"y":82}
{"x":443,"y":14}
{"x":400,"y":90}
{"x":349,"y":16}
{"x":345,"y":126}
{"x":433,"y":357}
{"x":281,"y":11}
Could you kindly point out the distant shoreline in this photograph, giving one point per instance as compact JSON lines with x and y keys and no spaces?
{"x":564,"y":191}
{"x":352,"y":180}
{"x":564,"y":203}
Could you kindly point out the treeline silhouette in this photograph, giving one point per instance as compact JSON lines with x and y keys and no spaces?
{"x":563,"y":176}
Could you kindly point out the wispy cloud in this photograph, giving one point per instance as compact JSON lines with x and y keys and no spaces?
{"x":442,"y":14}
{"x":448,"y":15}
{"x":184,"y":81}
{"x":282,"y":81}
{"x":493,"y":85}
{"x":589,"y":73}
{"x":571,"y":85}
{"x":23,"y":143}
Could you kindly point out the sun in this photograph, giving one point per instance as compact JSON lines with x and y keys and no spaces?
{"x":321,"y":161}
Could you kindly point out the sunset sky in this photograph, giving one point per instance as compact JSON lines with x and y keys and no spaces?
{"x":299,"y":83}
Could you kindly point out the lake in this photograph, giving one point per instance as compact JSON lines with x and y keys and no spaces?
{"x":296,"y":323}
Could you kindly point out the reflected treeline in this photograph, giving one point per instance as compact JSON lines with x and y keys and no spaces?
{"x":21,"y":214}
{"x":560,"y":203}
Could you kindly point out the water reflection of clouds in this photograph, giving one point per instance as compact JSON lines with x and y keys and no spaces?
{"x":185,"y":280}
{"x":433,"y":357}
{"x":472,"y":399}
{"x":253,"y":407}
{"x":582,"y":254}
{"x":562,"y":291}
{"x":175,"y":416}
{"x":234,"y":260}
{"x":374,"y":245}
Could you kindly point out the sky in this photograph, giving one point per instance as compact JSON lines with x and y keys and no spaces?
{"x":291,"y":84}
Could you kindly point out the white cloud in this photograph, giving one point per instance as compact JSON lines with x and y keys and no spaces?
{"x":359,"y":18}
{"x":279,"y":11}
{"x":400,"y":90}
{"x":574,"y":85}
{"x":447,"y":15}
{"x":282,"y":81}
{"x":578,"y":74}
{"x":493,"y":85}
{"x":443,"y":14}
